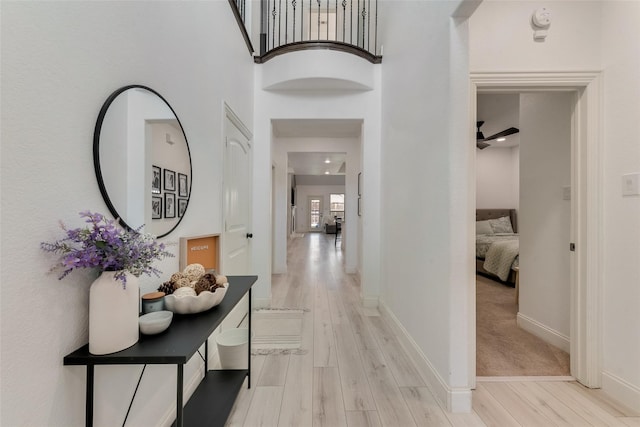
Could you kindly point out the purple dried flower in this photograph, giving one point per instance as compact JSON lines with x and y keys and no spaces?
{"x":107,"y":247}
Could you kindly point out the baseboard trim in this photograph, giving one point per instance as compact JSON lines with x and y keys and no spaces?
{"x":370,"y":302}
{"x":260,"y":302}
{"x":523,"y":379}
{"x":450,"y":398}
{"x":544,"y":332}
{"x":621,"y":390}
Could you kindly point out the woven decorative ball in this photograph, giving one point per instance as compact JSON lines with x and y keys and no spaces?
{"x":182,"y":283}
{"x":175,"y":277}
{"x":193,"y":271}
{"x":221,"y":279}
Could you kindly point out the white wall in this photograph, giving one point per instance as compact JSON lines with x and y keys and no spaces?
{"x":545,"y":217}
{"x":59,"y":63}
{"x":621,"y":63}
{"x":425,"y":172}
{"x":588,"y":36}
{"x":497,"y":178}
{"x":324,"y":191}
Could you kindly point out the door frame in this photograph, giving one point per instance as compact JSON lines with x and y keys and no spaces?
{"x":586,"y":206}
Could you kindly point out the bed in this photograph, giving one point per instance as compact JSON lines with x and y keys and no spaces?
{"x":497,"y":244}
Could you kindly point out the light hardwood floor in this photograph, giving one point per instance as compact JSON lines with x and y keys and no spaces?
{"x":356,"y":373}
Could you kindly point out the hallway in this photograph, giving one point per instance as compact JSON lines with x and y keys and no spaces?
{"x":355,"y":372}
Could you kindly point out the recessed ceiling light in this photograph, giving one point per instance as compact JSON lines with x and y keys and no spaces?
{"x":327,"y":173}
{"x":501,"y":139}
{"x":327,"y":161}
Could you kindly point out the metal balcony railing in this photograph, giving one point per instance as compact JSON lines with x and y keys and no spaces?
{"x":346,"y":25}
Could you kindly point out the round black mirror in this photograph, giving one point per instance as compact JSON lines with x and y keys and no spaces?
{"x":142,"y":160}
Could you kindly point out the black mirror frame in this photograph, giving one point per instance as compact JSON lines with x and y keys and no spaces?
{"x":96,"y":155}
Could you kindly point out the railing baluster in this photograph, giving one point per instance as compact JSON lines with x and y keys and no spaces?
{"x":293,"y":3}
{"x":279,"y":22}
{"x":358,"y":18}
{"x":375,"y":34}
{"x":286,"y":22}
{"x":344,"y":18}
{"x":301,"y":20}
{"x":335,"y":21}
{"x":351,"y":23}
{"x":364,"y":17}
{"x":327,"y":20}
{"x":369,"y":27}
{"x":273,"y":35}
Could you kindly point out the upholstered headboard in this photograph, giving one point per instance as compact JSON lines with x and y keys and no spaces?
{"x":484,"y":214}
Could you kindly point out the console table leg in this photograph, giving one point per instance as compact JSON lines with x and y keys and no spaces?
{"x":179,"y":391}
{"x":89,"y":397}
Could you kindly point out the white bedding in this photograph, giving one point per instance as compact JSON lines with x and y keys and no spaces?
{"x":499,"y":251}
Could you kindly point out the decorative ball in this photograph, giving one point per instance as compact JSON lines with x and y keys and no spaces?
{"x":184,"y":291}
{"x":175,"y":277}
{"x":182,"y":283}
{"x":221,"y":279}
{"x":214,"y":287}
{"x":193,"y":271}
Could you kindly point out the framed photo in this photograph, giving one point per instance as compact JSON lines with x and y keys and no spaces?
{"x":359,"y":186}
{"x":156,"y":207}
{"x":169,"y":180}
{"x":182,"y":206}
{"x":183,"y":189}
{"x":359,"y":206}
{"x":169,"y":205}
{"x":156,"y":180}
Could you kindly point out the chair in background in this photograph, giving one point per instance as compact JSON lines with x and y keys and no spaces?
{"x":338,"y":231}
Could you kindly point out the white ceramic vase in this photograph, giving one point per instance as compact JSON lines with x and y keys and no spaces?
{"x":113,"y":314}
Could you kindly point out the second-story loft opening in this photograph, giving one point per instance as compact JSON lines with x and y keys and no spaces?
{"x":345,"y":25}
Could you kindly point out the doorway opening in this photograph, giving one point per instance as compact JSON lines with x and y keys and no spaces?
{"x":523,"y":221}
{"x":585,"y":208}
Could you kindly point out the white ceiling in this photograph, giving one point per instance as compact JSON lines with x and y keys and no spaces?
{"x":314,"y":163}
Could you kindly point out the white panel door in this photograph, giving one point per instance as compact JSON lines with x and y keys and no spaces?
{"x":236,"y":237}
{"x":236,"y":251}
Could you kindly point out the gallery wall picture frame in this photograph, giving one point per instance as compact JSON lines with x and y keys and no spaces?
{"x":183,"y":189}
{"x":156,"y":180}
{"x":182,"y":206}
{"x":169,"y":180}
{"x":359,"y":184}
{"x":359,"y":206}
{"x":156,"y":207}
{"x":169,"y":205}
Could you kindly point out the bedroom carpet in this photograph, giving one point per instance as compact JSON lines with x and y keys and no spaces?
{"x":504,"y":349}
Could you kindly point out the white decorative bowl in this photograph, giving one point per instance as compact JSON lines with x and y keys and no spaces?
{"x":155,"y":322}
{"x":189,"y":304}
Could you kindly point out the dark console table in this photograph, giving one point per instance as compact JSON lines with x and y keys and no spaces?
{"x":212,"y":401}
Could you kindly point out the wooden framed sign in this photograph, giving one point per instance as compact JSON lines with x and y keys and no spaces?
{"x":200,"y":250}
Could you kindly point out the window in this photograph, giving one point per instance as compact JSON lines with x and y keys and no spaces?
{"x":337,"y":205}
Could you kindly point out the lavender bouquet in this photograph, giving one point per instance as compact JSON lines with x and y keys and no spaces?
{"x":106,"y":246}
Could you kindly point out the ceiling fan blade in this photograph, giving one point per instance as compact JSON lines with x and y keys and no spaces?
{"x":505,"y":132}
{"x":479,"y":134}
{"x":482,"y":145}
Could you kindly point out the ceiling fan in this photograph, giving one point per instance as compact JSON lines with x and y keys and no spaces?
{"x":481,"y":140}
